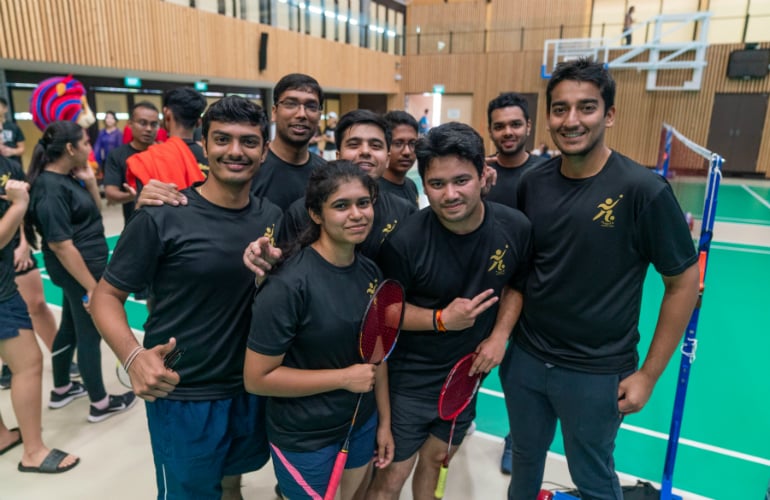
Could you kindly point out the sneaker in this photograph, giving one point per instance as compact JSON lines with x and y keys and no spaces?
{"x":118,"y":404}
{"x":471,"y":428}
{"x":506,"y":461}
{"x":5,"y":378}
{"x":61,"y":400}
{"x":74,"y":370}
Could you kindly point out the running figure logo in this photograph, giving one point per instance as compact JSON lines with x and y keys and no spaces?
{"x":497,"y":263}
{"x":270,"y":234}
{"x":605,"y":212}
{"x":388,"y":229}
{"x":4,"y":179}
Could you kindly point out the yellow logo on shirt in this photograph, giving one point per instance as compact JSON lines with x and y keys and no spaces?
{"x":606,"y":210}
{"x":270,"y":234}
{"x":497,"y":263}
{"x":4,"y":179}
{"x":372,"y":287}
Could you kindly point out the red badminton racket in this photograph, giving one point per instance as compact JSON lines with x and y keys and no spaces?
{"x":456,"y":394}
{"x":379,"y":331}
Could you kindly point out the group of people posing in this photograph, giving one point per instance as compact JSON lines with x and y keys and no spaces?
{"x":259,"y":274}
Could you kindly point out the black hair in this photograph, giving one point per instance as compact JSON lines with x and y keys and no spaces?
{"x":298,"y":81}
{"x":236,"y":109}
{"x":450,"y":139}
{"x":358,"y":117}
{"x":507,"y":100}
{"x":51,"y":146}
{"x":3,"y":101}
{"x":396,"y":118}
{"x":110,"y":112}
{"x":323,"y":182}
{"x":186,"y":105}
{"x":142,"y":104}
{"x":583,"y":70}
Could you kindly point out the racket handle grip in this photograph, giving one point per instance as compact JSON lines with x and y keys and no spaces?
{"x":441,"y":484}
{"x":334,"y":480}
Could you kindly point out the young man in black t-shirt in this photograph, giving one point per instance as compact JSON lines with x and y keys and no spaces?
{"x":403,"y":128}
{"x":205,"y":430}
{"x":509,"y":128}
{"x":144,"y":123}
{"x":12,"y":140}
{"x":462,"y":263}
{"x":297,"y":105}
{"x":599,"y":220}
{"x":363,"y":137}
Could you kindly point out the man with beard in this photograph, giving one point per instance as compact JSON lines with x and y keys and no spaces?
{"x":509,"y":128}
{"x":297,"y":104}
{"x":403,"y":129}
{"x":144,"y":124}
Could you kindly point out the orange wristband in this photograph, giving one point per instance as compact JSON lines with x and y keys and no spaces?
{"x":440,"y":324}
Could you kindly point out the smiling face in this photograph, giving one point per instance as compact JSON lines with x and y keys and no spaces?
{"x":234,"y":151}
{"x":402,"y":155}
{"x":364,"y":144}
{"x":453,"y":187}
{"x":346,"y":216}
{"x":577,"y":118}
{"x":509,"y":130}
{"x":296,"y":115}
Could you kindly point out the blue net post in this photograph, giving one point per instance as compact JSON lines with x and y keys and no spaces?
{"x":662,"y":169}
{"x":690,"y":343}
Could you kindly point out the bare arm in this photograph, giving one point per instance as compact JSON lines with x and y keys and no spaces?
{"x":458,"y":315}
{"x":266,"y":376}
{"x":679,"y":298}
{"x":385,"y":443}
{"x":117,"y":195}
{"x":491,"y":350}
{"x":16,"y":192}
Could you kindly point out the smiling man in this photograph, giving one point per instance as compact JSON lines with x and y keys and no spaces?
{"x":363,"y":137}
{"x":509,"y":128}
{"x":403,"y":128}
{"x":205,"y":429}
{"x":599,"y":220}
{"x":297,"y":105}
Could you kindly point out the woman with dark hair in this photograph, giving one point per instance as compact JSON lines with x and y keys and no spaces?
{"x":109,"y":138}
{"x":19,"y":349}
{"x":64,"y":208}
{"x":303,"y":347}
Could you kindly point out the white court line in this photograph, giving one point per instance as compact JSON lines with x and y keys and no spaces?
{"x":660,"y":435}
{"x":129,"y":299}
{"x":756,"y":196}
{"x":739,"y":249}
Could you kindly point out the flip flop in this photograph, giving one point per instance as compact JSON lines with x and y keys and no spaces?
{"x":14,"y":444}
{"x":50,"y":464}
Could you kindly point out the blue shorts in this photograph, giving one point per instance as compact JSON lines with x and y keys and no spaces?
{"x":306,"y":474}
{"x":413,"y":419}
{"x":196,"y":443}
{"x":14,"y":316}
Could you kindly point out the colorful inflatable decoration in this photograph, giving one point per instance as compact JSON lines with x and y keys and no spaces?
{"x":60,"y":98}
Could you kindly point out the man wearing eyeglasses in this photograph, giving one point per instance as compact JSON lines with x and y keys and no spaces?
{"x":509,"y":129}
{"x":297,"y":105}
{"x":144,"y":123}
{"x":404,"y":128}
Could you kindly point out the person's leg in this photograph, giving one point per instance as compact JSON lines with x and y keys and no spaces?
{"x":231,"y":488}
{"x":63,"y":346}
{"x":587,"y":405}
{"x":246,"y":448}
{"x":26,"y":362}
{"x":431,"y":456}
{"x":531,"y":418}
{"x":388,"y":482}
{"x":31,"y":289}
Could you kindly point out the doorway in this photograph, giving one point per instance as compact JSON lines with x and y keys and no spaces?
{"x":737,"y":124}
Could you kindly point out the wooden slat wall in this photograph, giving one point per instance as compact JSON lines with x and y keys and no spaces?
{"x":160,"y":37}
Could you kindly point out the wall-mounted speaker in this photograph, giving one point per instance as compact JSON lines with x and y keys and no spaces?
{"x":262,"y":52}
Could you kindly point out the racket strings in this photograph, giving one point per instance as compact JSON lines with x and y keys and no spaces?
{"x":382,"y":323}
{"x":458,"y":390}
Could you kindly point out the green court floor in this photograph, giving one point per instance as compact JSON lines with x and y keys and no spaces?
{"x":725,"y":448}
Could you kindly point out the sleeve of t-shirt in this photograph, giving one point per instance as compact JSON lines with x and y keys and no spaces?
{"x":664,"y":236}
{"x":523,"y":255}
{"x":275,"y":316}
{"x":394,"y":264}
{"x":19,"y":134}
{"x":114,"y":172}
{"x":53,"y":215}
{"x":136,"y":255}
{"x":293,"y":224}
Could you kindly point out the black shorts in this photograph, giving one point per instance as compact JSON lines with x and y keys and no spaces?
{"x":15,"y":317}
{"x":413,"y":419}
{"x":30,"y":268}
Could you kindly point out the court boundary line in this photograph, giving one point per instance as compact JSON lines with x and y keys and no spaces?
{"x":663,"y":436}
{"x":756,"y":196}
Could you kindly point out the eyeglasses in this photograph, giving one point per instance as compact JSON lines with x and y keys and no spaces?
{"x":292,"y":105}
{"x":145,"y":124}
{"x":403,"y":144}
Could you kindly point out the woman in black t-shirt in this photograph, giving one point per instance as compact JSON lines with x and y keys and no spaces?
{"x":64,"y":208}
{"x":303,"y":345}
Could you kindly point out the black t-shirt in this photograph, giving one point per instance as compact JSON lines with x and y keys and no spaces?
{"x":191,"y":258}
{"x":283,"y":183}
{"x":389,"y":211}
{"x":407,"y":190}
{"x":62,"y":209}
{"x":504,"y":190}
{"x":115,"y":173}
{"x":8,"y":170}
{"x":436,"y":266}
{"x":594,"y":239}
{"x":200,"y":156}
{"x":310,"y":311}
{"x":12,"y":136}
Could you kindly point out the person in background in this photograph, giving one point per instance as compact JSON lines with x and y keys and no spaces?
{"x":404,"y":130}
{"x":109,"y":138}
{"x":12,"y":140}
{"x":628,"y":22}
{"x":330,"y":147}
